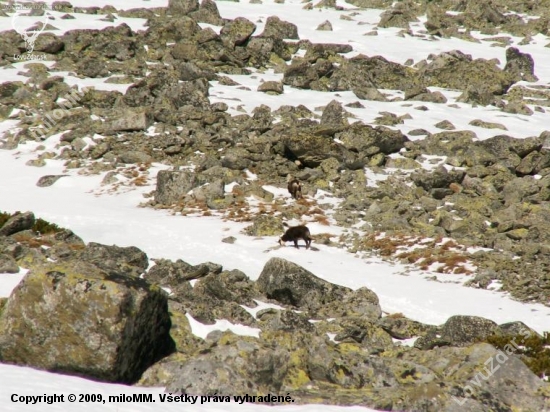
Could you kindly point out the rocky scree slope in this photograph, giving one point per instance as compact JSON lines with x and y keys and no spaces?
{"x":84,"y":309}
{"x":492,"y":194}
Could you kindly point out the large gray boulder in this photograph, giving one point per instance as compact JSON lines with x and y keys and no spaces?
{"x":130,"y":120}
{"x":182,"y":7}
{"x":456,"y":70}
{"x":280,"y":29}
{"x":464,"y":330}
{"x":291,"y":284}
{"x":208,"y":13}
{"x":128,"y":260}
{"x":237,"y":32}
{"x":239,"y":366}
{"x":17,"y":223}
{"x":74,"y":318}
{"x":362,"y":72}
{"x":438,"y":178}
{"x":311,"y":149}
{"x":172,"y":186}
{"x":368,"y":140}
{"x":520,"y":65}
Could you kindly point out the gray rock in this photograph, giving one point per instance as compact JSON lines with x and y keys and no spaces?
{"x":300,"y":74}
{"x":18,"y":222}
{"x":291,"y":284}
{"x":131,"y":120}
{"x":516,"y":190}
{"x":439,"y":178}
{"x":324,"y":26}
{"x":266,"y":225}
{"x":403,"y":328}
{"x":280,"y":29}
{"x":182,"y":7}
{"x":312,"y":149}
{"x":333,"y":117}
{"x":398,"y":16}
{"x":369,"y":93}
{"x":283,"y":320}
{"x":236,"y":32}
{"x":362,"y":302}
{"x":370,"y":140}
{"x":364,"y":332}
{"x":115,"y":259}
{"x":48,"y":43}
{"x":134,"y":156}
{"x":172,"y":186}
{"x":208,"y":13}
{"x":73,"y":318}
{"x":517,"y":107}
{"x":236,"y":159}
{"x":465,"y":330}
{"x":445,"y":125}
{"x":533,"y":163}
{"x":478,"y":94}
{"x":505,"y":379}
{"x":518,"y":328}
{"x":8,"y":264}
{"x":362,"y":72}
{"x":168,"y":273}
{"x":239,"y":366}
{"x":212,"y":194}
{"x":520,"y":65}
{"x":457,"y":70}
{"x":272,"y":87}
{"x":48,"y":180}
{"x":325,"y":365}
{"x":92,"y":67}
{"x":163,"y":92}
{"x":230,"y":286}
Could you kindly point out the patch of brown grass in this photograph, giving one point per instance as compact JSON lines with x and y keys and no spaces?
{"x":424,"y":255}
{"x":397,"y":315}
{"x":31,"y":241}
{"x":139,"y":181}
{"x":322,"y":219}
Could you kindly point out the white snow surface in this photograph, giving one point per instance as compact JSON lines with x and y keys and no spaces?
{"x":80,"y":203}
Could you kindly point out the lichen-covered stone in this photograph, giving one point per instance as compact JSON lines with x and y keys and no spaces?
{"x":18,"y":222}
{"x":115,"y":259}
{"x":291,"y":284}
{"x":72,"y":317}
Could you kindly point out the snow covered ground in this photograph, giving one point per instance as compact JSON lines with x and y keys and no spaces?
{"x":77,"y":202}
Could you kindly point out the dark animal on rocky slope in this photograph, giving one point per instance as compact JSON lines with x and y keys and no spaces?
{"x":294,"y":187}
{"x":293,"y":234}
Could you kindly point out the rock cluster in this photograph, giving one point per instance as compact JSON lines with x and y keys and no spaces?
{"x":493,"y":195}
{"x":84,"y":309}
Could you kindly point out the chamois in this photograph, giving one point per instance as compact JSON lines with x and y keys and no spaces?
{"x":294,"y":187}
{"x":293,"y":234}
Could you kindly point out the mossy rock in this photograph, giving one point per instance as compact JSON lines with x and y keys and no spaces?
{"x":266,"y":225}
{"x":72,"y":317}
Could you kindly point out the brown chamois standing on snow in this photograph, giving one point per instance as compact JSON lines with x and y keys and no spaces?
{"x":293,"y":234}
{"x":294,"y":187}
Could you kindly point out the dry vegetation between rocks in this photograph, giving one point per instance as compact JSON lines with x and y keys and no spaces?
{"x":424,"y":253}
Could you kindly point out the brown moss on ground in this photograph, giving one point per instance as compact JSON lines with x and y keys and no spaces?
{"x":422,"y":252}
